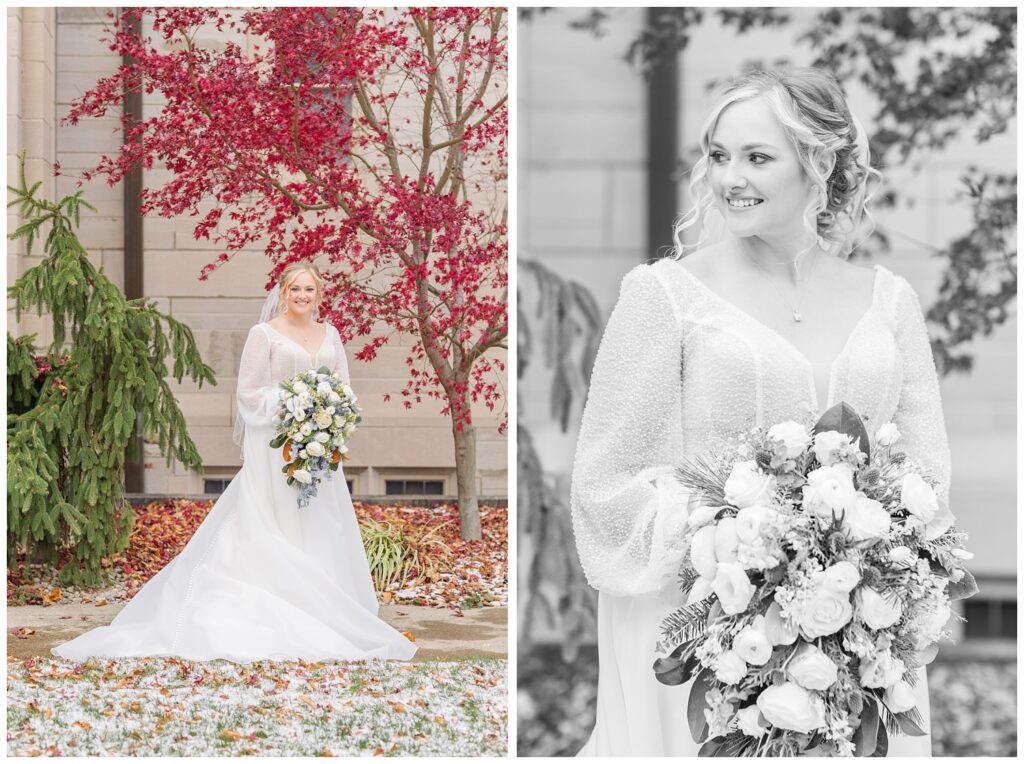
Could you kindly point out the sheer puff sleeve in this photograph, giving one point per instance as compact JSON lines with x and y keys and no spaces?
{"x":919,"y":410}
{"x":628,"y":510}
{"x":340,"y":360}
{"x":257,"y":395}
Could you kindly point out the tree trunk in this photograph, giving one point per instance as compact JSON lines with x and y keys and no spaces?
{"x":465,"y":472}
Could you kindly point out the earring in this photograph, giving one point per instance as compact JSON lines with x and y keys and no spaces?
{"x":284,"y":308}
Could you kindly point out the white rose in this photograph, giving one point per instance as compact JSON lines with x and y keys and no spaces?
{"x":299,"y":413}
{"x":300,"y":388}
{"x":866,"y":519}
{"x":826,"y":444}
{"x":900,"y":555}
{"x":730,"y":667}
{"x":700,"y":590}
{"x":316,"y":448}
{"x":887,"y":434}
{"x":725,"y":540}
{"x":919,"y":498}
{"x":324,"y":389}
{"x":321,"y":437}
{"x":900,"y":697}
{"x":733,"y":588}
{"x":934,"y":623}
{"x":701,"y":516}
{"x":793,"y":437}
{"x":748,"y":721}
{"x":702,"y":551}
{"x":323,"y":419}
{"x":842,"y":577}
{"x":747,"y":485}
{"x":753,"y":646}
{"x":826,"y":612}
{"x":333,"y":397}
{"x":302,"y":476}
{"x":876,"y":611}
{"x":812,"y":669}
{"x":306,"y":429}
{"x":882,"y":669}
{"x":779,"y":630}
{"x":790,"y":706}
{"x":750,"y":520}
{"x":829,"y":490}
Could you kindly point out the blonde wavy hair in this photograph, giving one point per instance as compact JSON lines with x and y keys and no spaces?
{"x":292,"y":272}
{"x":830,"y":142}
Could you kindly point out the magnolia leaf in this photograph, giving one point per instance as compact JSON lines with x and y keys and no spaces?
{"x":882,"y":743}
{"x":712,"y":747}
{"x":696,"y":705}
{"x":865,"y":737}
{"x":908,"y":725}
{"x":927,"y":655}
{"x":675,"y":669}
{"x":843,"y":418}
{"x":962,"y":589}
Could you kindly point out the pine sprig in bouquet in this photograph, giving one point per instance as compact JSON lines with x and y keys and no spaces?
{"x":817,"y":581}
{"x":316,"y":418}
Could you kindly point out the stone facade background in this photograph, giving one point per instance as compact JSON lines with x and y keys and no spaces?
{"x":54,"y":55}
{"x":583,"y":161}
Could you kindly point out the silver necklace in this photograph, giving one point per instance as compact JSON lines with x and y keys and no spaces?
{"x":798,"y":317}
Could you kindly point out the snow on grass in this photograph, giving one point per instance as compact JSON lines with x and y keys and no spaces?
{"x":174,"y":707}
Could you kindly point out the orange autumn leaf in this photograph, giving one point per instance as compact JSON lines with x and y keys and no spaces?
{"x":291,"y":470}
{"x":335,"y":456}
{"x":287,"y":450}
{"x":408,"y":635}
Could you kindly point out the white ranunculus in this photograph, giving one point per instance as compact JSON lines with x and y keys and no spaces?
{"x":811,"y":668}
{"x":321,"y":437}
{"x":882,"y":669}
{"x":793,"y":438}
{"x":324,"y":389}
{"x":730,"y":667}
{"x":826,"y":444}
{"x":887,"y":434}
{"x":901,"y":555}
{"x":747,"y":485}
{"x":300,"y":388}
{"x":302,"y":476}
{"x":339,"y":422}
{"x":779,"y":630}
{"x":826,"y":612}
{"x":299,"y":413}
{"x":791,"y":707}
{"x":933,"y":625}
{"x":700,"y":590}
{"x":733,"y":588}
{"x":316,"y":448}
{"x":750,"y":521}
{"x":866,"y":519}
{"x":725,"y":540}
{"x":900,"y":697}
{"x":877,"y":611}
{"x":306,"y":429}
{"x":842,"y":576}
{"x":349,"y":428}
{"x":829,"y":491}
{"x":333,"y":397}
{"x":748,"y":721}
{"x":919,"y":498}
{"x":701,"y":516}
{"x":702,"y":551}
{"x":753,"y":646}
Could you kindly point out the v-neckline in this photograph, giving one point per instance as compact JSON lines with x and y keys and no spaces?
{"x":808,"y":363}
{"x":296,"y":344}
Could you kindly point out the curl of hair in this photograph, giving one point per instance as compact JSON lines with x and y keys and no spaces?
{"x":830,"y":142}
{"x":291,"y":272}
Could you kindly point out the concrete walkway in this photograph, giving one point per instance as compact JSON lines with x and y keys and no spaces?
{"x":440,"y":634}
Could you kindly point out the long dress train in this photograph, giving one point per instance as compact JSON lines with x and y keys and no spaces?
{"x":680,"y":368}
{"x":261,"y":578}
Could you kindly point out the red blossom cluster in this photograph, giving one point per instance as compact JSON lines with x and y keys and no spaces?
{"x":371,"y":140}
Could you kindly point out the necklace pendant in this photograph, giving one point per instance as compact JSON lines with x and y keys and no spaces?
{"x":797,"y":316}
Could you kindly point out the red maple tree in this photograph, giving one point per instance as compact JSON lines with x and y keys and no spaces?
{"x":372,"y":140}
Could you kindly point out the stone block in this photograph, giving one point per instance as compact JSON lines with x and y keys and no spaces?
{"x":628,"y":209}
{"x":99,"y":134}
{"x":102,"y":233}
{"x":83,"y":15}
{"x":36,"y":41}
{"x":85,"y":39}
{"x":206,"y":409}
{"x":175,"y":273}
{"x":215,"y":445}
{"x":112,"y":261}
{"x":612,"y":134}
{"x":38,"y":14}
{"x":99,"y":65}
{"x":566,"y":207}
{"x":34,"y":104}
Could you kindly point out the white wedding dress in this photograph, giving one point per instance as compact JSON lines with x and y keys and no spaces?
{"x":680,"y":368}
{"x":261,"y":578}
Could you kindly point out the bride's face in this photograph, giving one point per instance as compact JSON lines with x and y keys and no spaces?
{"x":302,"y":295}
{"x":755,"y":173}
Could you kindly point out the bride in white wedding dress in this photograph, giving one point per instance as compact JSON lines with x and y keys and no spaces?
{"x":262,"y":578}
{"x":769,"y":323}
